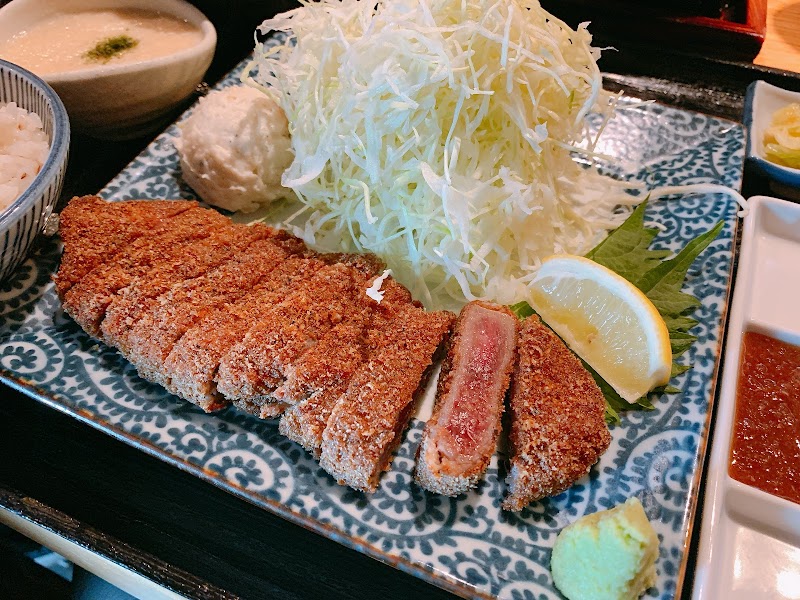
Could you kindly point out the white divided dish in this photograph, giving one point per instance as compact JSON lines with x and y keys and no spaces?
{"x":750,"y":540}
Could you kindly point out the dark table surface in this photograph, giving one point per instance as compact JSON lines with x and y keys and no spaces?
{"x":188,"y":535}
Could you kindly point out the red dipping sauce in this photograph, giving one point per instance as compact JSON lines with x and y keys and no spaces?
{"x":765,"y":450}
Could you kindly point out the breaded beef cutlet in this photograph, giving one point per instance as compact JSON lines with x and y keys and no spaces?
{"x":460,"y":437}
{"x":256,"y":366}
{"x":195,"y":358}
{"x":558,"y":429}
{"x":368,"y":420}
{"x":369,"y":264}
{"x":305,"y":421}
{"x":336,"y":356}
{"x":327,"y":365}
{"x":329,"y":362}
{"x":170,"y":243}
{"x":317,"y":380}
{"x":154,"y":333}
{"x":94,"y":231}
{"x":266,"y":410}
{"x":131,"y":309}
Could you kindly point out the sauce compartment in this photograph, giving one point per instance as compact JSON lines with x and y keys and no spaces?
{"x":773,"y":284}
{"x":765,"y":439}
{"x":765,"y":303}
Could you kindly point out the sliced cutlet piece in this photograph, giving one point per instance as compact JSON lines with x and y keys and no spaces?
{"x":256,"y":366}
{"x":195,"y":358}
{"x":87,"y":300}
{"x":330,"y":361}
{"x":319,"y":377}
{"x":154,"y":332}
{"x":558,"y":429}
{"x":316,"y":381}
{"x":267,"y":410}
{"x":305,"y":421}
{"x":367,"y":422}
{"x":461,"y":435}
{"x":131,"y":309}
{"x":94,"y":230}
{"x":336,"y":356}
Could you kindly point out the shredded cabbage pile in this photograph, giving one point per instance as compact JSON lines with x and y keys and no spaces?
{"x":439,"y":134}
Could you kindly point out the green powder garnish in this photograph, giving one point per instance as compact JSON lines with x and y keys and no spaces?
{"x":108,"y":48}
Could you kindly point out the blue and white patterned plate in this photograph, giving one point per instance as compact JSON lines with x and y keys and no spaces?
{"x":467,"y":545}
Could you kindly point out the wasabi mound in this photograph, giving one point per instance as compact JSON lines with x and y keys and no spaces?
{"x":608,"y":555}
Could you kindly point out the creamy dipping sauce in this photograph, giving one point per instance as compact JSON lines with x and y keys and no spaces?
{"x":61,"y":43}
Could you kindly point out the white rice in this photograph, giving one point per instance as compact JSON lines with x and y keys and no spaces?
{"x":23,"y":150}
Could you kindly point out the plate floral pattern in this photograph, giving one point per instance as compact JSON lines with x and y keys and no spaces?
{"x":467,"y":545}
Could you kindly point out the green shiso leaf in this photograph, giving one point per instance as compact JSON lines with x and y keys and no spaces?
{"x":626,"y":251}
{"x":522,"y":309}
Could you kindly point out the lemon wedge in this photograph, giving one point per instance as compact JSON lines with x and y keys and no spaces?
{"x":606,"y":320}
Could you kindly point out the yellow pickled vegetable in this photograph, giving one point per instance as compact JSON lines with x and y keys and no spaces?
{"x":782,"y":138}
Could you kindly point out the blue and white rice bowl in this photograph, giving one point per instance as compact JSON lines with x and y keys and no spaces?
{"x":26,"y":216}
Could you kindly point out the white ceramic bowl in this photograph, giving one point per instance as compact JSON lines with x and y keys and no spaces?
{"x":119,"y":101}
{"x":760,"y":103}
{"x":27,"y":215}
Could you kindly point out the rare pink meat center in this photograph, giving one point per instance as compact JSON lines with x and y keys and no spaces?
{"x":471,"y":410}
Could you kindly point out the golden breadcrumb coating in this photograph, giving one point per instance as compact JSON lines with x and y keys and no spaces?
{"x":207,"y":308}
{"x":94,"y":231}
{"x":316,"y":381}
{"x":558,"y":429}
{"x":132,"y":310}
{"x":194,"y":359}
{"x":262,"y":410}
{"x":87,"y":300}
{"x":367,"y":422}
{"x":256,"y":366}
{"x":155,"y":332}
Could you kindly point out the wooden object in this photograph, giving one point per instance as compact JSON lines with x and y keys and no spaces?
{"x":781,"y":49}
{"x":732,"y":30}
